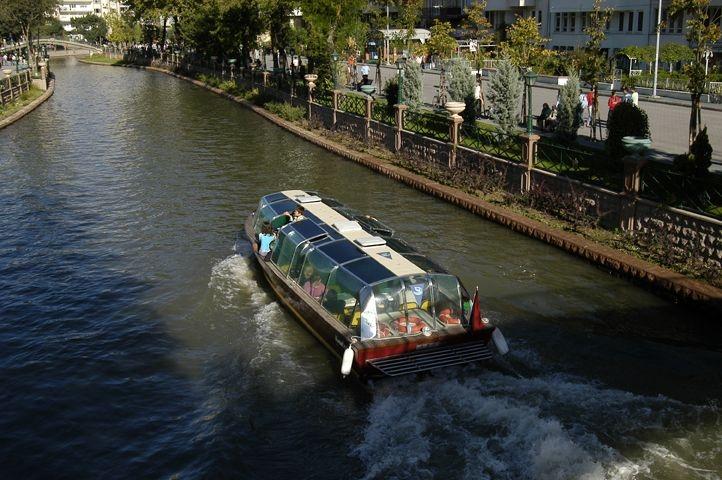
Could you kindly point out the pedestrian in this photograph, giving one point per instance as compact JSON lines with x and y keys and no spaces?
{"x":590,"y":106}
{"x":635,"y":97}
{"x":479,"y":96}
{"x":627,"y":95}
{"x":364,"y":74}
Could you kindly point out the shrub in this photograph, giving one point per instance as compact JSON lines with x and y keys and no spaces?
{"x":625,"y":120}
{"x":569,"y":116}
{"x":413,"y":86}
{"x":504,"y":94}
{"x":699,"y":158}
{"x":461,"y":87}
{"x":229,"y":86}
{"x":286,"y":111}
{"x":391,"y":90}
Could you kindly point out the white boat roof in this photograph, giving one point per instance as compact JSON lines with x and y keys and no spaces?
{"x":383,"y":254}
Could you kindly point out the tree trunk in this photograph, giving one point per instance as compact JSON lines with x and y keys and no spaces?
{"x":165,"y":30}
{"x":595,"y":111}
{"x":694,"y":117}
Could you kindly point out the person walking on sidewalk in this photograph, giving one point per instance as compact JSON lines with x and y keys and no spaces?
{"x":635,"y":97}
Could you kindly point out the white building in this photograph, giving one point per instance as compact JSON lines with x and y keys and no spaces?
{"x":563,"y":21}
{"x":69,"y":9}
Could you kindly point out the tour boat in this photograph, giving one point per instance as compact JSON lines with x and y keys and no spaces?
{"x":375,"y":302}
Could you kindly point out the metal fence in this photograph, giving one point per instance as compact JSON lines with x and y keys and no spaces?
{"x":13,"y":86}
{"x":698,"y":194}
{"x":427,"y":124}
{"x":352,"y":104}
{"x":588,"y":167}
{"x":380,"y":112}
{"x":491,"y":142}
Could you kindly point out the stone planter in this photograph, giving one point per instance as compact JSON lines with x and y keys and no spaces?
{"x":455,"y":108}
{"x":7,"y":71}
{"x":310,"y":77}
{"x":368,"y":89}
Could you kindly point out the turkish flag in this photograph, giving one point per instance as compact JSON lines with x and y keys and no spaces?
{"x":476,"y":323}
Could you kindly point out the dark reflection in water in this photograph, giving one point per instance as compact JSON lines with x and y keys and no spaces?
{"x":136,"y":340}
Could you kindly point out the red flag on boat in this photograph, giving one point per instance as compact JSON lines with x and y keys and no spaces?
{"x":476,"y":323}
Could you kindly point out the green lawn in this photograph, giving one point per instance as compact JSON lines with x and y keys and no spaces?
{"x":25,"y":99}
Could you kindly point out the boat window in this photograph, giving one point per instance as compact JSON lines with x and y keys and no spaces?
{"x":274,"y":197}
{"x":297,"y":263}
{"x":264,"y":214}
{"x":447,"y":299}
{"x":288,"y":240}
{"x":342,"y":251}
{"x":315,"y":272}
{"x":342,"y":296}
{"x":286,"y":205}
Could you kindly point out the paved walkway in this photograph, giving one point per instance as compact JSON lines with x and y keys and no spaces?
{"x":668,"y":118}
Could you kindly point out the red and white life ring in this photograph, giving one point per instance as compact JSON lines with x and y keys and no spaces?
{"x":416,"y":325}
{"x":446,"y":317}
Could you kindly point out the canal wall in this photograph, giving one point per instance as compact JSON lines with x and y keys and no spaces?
{"x":658,"y":278}
{"x":31,"y":106}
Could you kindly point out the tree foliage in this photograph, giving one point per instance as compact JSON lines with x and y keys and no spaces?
{"x":504,"y":92}
{"x":413,"y":85}
{"x":479,"y":29}
{"x":92,"y":27}
{"x":524,"y":44}
{"x":24,"y":16}
{"x":569,"y":115}
{"x":51,"y":28}
{"x":440,"y":42}
{"x":122,"y":28}
{"x":461,"y":87}
{"x":701,"y":33}
{"x":625,"y":120}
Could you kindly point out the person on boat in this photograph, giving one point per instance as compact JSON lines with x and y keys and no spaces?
{"x":333,"y":304}
{"x":266,"y":240}
{"x":296,"y":214}
{"x":315,"y":286}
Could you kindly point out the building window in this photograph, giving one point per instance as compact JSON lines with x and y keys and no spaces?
{"x":565,"y":21}
{"x":640,"y":21}
{"x":539,"y":16}
{"x":557,"y":22}
{"x":584,"y":20}
{"x":621,"y":21}
{"x":573,"y":22}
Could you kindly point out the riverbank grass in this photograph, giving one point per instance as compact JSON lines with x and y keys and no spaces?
{"x":24,"y":100}
{"x":102,"y":59}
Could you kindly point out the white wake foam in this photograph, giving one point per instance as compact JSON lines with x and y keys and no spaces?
{"x":495,"y":426}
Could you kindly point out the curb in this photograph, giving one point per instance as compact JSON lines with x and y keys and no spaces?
{"x":29,"y":108}
{"x":659,"y":278}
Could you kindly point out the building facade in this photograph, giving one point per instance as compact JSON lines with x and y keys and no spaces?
{"x":69,"y":9}
{"x":563,"y":21}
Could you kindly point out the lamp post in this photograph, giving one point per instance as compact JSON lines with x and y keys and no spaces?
{"x":529,"y":81}
{"x":293,"y":72}
{"x":707,"y":56}
{"x":334,"y":63}
{"x":400,"y":71}
{"x":656,"y":49}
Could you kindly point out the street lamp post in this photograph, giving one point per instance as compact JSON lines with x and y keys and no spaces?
{"x":656,"y":49}
{"x":707,"y":56}
{"x":334,"y":63}
{"x":400,"y":71}
{"x":529,"y":81}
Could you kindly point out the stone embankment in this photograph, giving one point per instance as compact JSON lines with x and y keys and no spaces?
{"x":658,"y":278}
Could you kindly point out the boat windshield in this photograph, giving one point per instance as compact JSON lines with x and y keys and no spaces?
{"x":413,"y":305}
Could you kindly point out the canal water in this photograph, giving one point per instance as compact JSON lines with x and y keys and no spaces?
{"x":136,"y":340}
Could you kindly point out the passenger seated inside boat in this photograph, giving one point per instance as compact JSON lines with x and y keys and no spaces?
{"x":315,"y":286}
{"x":296,"y":215}
{"x":333,"y":304}
{"x":266,"y":240}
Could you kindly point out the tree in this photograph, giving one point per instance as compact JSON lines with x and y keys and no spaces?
{"x":440,"y":42}
{"x":409,"y":16}
{"x":642,"y":54}
{"x":92,"y":27}
{"x":461,"y":87}
{"x":52,"y":28}
{"x":505,"y":88}
{"x":524,"y":44}
{"x":413,"y":85}
{"x":122,"y":28}
{"x":672,"y":53}
{"x":569,"y":116}
{"x":478,"y":29}
{"x":701,"y":34}
{"x":24,"y":16}
{"x":625,"y":120}
{"x":594,"y":61}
